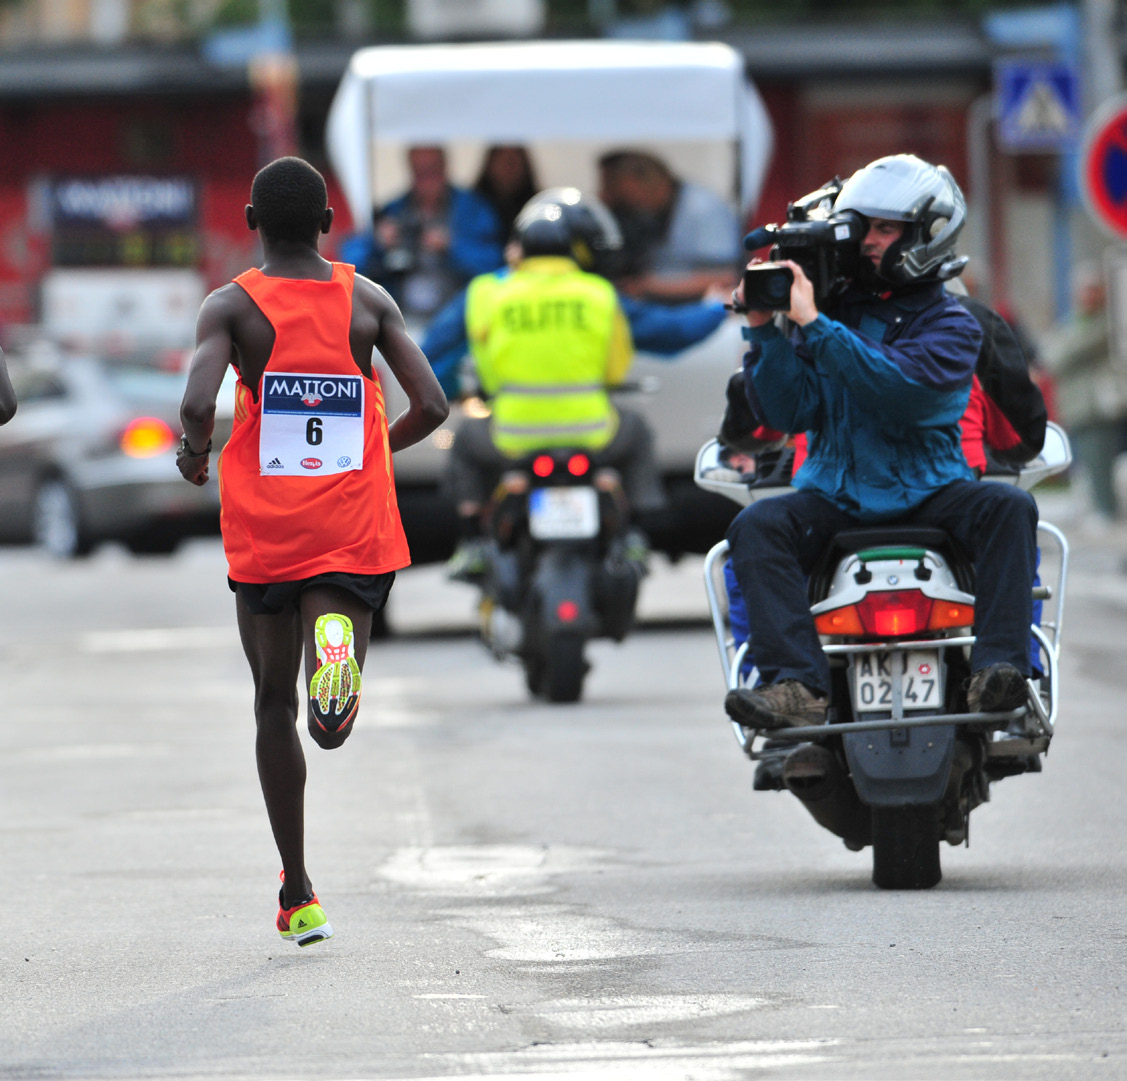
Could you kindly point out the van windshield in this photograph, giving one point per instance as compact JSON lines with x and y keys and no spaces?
{"x":444,"y":212}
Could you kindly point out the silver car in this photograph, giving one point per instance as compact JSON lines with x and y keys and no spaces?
{"x":90,"y":455}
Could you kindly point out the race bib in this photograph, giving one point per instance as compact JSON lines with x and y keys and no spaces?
{"x":312,"y":425}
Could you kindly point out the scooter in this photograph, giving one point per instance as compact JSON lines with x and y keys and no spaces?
{"x":901,"y":762}
{"x":561,"y":568}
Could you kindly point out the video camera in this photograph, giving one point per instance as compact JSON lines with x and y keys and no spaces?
{"x":826,"y":245}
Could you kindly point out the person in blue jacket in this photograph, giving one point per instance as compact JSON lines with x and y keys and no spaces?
{"x":878,"y":382}
{"x":429,"y":242}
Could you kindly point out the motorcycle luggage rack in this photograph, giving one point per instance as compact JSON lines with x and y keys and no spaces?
{"x":1048,"y":636}
{"x":816,"y":733}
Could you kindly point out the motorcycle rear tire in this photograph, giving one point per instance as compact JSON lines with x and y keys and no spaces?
{"x":906,"y":847}
{"x":564,"y":667}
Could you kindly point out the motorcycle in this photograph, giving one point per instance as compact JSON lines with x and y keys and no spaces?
{"x":562,"y":568}
{"x":901,"y":762}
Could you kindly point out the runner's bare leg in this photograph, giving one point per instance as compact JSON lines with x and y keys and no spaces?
{"x":273,"y":645}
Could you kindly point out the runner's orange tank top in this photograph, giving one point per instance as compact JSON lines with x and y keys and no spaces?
{"x":305,"y":481}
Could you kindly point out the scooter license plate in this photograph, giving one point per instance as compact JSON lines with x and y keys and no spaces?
{"x":920,"y":684}
{"x":563,"y":513}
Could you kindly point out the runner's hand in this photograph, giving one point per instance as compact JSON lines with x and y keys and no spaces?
{"x":193,"y":467}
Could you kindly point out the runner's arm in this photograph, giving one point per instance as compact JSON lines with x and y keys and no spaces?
{"x":7,"y":393}
{"x":214,"y":349}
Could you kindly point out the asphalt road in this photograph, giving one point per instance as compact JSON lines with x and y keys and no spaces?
{"x":518,"y":890}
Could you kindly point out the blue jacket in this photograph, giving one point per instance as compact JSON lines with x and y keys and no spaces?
{"x":879,"y":390}
{"x":656,"y":328}
{"x":477,"y":240}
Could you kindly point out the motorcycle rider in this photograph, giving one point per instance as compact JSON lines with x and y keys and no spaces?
{"x":548,"y":340}
{"x":879,"y":381}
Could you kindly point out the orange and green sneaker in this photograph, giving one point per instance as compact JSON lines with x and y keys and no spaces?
{"x":334,"y":690}
{"x":305,"y":923}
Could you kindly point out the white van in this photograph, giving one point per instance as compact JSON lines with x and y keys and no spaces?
{"x":568,"y":103}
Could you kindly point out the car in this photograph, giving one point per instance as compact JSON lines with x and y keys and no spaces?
{"x":91,"y":454}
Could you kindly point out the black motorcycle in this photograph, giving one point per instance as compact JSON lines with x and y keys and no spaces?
{"x":562,"y":567}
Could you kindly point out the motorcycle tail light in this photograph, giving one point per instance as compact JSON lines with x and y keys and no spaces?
{"x":840,"y":621}
{"x":947,"y":614}
{"x":895,"y":613}
{"x":889,"y":614}
{"x":568,"y":611}
{"x":542,"y":465}
{"x":146,"y":437}
{"x":578,"y":464}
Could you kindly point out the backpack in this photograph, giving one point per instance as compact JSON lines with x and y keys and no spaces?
{"x":1016,"y":413}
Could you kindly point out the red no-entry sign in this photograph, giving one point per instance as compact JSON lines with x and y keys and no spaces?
{"x":1103,"y":166}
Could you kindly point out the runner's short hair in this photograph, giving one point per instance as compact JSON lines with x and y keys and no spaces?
{"x":289,"y":198}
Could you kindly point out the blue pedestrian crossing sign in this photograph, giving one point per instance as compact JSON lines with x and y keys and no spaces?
{"x":1037,"y":105}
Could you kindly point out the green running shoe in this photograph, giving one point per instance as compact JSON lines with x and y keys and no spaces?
{"x":334,"y":691}
{"x":305,"y":923}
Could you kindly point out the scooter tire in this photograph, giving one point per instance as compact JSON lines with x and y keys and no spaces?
{"x":564,"y":667}
{"x":906,"y":847}
{"x":533,"y":674}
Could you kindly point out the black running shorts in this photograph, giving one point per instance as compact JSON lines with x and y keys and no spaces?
{"x":272,"y":598}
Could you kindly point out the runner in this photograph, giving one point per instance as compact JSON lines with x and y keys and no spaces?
{"x":309,"y":515}
{"x":7,"y":394}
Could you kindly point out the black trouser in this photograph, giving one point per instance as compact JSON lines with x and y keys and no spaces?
{"x":775,"y":544}
{"x":475,"y":465}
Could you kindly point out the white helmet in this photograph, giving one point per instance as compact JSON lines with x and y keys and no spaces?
{"x":905,"y":188}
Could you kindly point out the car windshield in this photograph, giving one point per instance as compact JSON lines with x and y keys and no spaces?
{"x":145,"y":383}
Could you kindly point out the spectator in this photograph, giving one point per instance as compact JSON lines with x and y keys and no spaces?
{"x":430,"y":241}
{"x":507,"y":180}
{"x":1091,"y":388}
{"x":683,"y":237}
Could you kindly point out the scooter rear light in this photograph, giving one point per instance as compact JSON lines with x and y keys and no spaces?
{"x":840,"y":621}
{"x":567,"y":611}
{"x":888,"y":614}
{"x":578,"y":465}
{"x":146,"y":437}
{"x":948,"y":614}
{"x":895,"y":613}
{"x":542,"y":465}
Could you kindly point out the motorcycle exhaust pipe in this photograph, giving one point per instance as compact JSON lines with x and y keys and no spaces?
{"x":818,"y":779}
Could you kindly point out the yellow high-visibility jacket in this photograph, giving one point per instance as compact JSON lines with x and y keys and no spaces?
{"x":548,"y":340}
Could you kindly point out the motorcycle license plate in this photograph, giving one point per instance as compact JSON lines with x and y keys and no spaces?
{"x":920,"y":685}
{"x":563,"y":513}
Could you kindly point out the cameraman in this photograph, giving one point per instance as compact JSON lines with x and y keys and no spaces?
{"x":878,"y":382}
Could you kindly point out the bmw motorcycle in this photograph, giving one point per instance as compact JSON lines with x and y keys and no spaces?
{"x":901,"y":762}
{"x":562,"y":568}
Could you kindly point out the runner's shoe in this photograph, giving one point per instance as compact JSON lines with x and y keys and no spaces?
{"x":334,"y":691}
{"x":305,"y":923}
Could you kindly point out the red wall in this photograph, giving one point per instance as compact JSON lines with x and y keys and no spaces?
{"x":211,"y":140}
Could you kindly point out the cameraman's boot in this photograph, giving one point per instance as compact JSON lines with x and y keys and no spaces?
{"x":816,"y":776}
